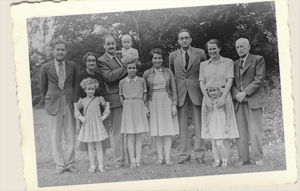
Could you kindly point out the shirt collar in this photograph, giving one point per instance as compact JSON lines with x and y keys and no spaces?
{"x":152,"y":70}
{"x":110,"y":56}
{"x":157,"y":70}
{"x":128,"y":79}
{"x":56,"y":63}
{"x":245,"y":58}
{"x":188,"y":51}
{"x":222,"y":59}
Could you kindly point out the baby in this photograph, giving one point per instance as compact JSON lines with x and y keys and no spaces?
{"x":127,"y":50}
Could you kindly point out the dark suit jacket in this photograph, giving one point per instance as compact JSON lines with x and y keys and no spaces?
{"x":112,"y":73}
{"x":51,"y":91}
{"x":253,"y":75}
{"x":187,"y":80}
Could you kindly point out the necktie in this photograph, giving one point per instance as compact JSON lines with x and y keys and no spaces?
{"x":61,"y":76}
{"x":241,"y":64}
{"x":117,"y":60}
{"x":187,"y":59}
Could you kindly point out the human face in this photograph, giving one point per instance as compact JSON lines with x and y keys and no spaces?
{"x":213,"y":94}
{"x":242,"y":47}
{"x":126,"y":43}
{"x":60,"y":52}
{"x":110,"y":45}
{"x":157,"y":61}
{"x":90,"y":90}
{"x":184,"y":40}
{"x":213,"y":50}
{"x":131,"y":69}
{"x":91,"y":63}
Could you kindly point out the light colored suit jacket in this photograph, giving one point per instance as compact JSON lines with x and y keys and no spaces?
{"x":112,"y":73}
{"x":51,"y":91}
{"x":187,"y":80}
{"x":252,"y":78}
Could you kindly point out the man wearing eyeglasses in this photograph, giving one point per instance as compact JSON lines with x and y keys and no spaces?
{"x":185,"y":64}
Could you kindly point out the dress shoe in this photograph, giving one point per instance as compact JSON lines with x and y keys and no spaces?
{"x":242,"y":163}
{"x":59,"y":171}
{"x":184,"y":160}
{"x":73,"y":170}
{"x":259,"y":163}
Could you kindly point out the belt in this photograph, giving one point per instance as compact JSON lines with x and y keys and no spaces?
{"x":160,"y":90}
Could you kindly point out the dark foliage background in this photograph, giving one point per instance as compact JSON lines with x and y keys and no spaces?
{"x":157,"y":28}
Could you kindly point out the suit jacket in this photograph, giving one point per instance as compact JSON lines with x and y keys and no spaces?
{"x":112,"y":73}
{"x":187,"y":80}
{"x":51,"y":91}
{"x":252,"y":78}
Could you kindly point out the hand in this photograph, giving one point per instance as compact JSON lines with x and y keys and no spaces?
{"x":103,"y":117}
{"x":220,"y":102}
{"x":206,"y":131}
{"x":241,"y":96}
{"x":174,"y":110}
{"x":147,"y":111}
{"x":107,"y":111}
{"x":83,"y":119}
{"x":227,"y":129}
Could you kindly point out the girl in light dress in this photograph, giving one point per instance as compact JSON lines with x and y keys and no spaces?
{"x":92,"y":131}
{"x":132,"y":90}
{"x":216,"y":124}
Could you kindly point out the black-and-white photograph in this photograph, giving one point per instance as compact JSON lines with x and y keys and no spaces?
{"x":156,"y":94}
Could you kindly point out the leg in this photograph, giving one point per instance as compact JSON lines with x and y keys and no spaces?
{"x":130,"y":145}
{"x":91,"y":148}
{"x":99,"y":154}
{"x":56,"y":128}
{"x":227,"y":145}
{"x":159,"y":147}
{"x":199,"y":143}
{"x":242,"y":142}
{"x":168,"y":143}
{"x":255,"y":132}
{"x":69,"y":133}
{"x":117,"y":137}
{"x":138,"y":147}
{"x":215,"y":153}
{"x":183,"y":118}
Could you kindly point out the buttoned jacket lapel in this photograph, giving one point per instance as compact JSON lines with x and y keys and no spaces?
{"x":193,"y":56}
{"x":52,"y":71}
{"x":248,"y":63}
{"x":67,"y":70}
{"x":179,"y":60}
{"x":112,"y":62}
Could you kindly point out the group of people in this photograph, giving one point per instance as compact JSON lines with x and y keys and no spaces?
{"x":223,"y":98}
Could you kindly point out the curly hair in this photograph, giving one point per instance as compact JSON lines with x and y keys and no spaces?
{"x":89,"y":81}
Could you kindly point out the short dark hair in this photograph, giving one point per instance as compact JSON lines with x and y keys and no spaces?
{"x":156,"y":51}
{"x":87,"y":55}
{"x":184,"y":30}
{"x":213,"y":41}
{"x":106,"y":36}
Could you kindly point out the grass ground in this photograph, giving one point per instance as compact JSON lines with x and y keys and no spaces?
{"x":274,"y":160}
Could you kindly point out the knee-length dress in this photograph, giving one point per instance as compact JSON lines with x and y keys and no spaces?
{"x":219,"y":74}
{"x":93,"y":130}
{"x":134,"y":117}
{"x":162,"y":123}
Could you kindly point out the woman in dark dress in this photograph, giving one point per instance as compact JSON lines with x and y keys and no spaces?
{"x":91,"y":71}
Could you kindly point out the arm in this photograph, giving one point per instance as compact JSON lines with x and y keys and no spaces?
{"x":77,"y":114}
{"x":260,"y":72}
{"x":121,"y":93}
{"x":44,"y":81}
{"x":227,"y":110}
{"x":135,"y":54}
{"x":173,"y":92}
{"x":106,"y":112}
{"x":222,"y":99}
{"x":110,"y":75}
{"x":204,"y":119}
{"x":75,"y":83}
{"x":144,"y":85}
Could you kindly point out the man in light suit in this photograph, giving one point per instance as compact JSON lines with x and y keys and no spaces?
{"x":58,"y":79}
{"x":112,"y":71}
{"x":249,"y":98}
{"x":185,"y":64}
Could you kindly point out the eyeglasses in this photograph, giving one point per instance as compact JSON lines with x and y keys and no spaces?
{"x":184,"y":38}
{"x":88,"y":60}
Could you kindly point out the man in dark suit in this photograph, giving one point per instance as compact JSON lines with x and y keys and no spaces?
{"x":112,"y":71}
{"x":185,"y":64}
{"x":249,"y":98}
{"x":58,"y":79}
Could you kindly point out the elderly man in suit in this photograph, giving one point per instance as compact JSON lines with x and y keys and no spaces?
{"x":58,"y":79}
{"x":185,"y":64}
{"x":249,"y":99}
{"x":112,"y":70}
